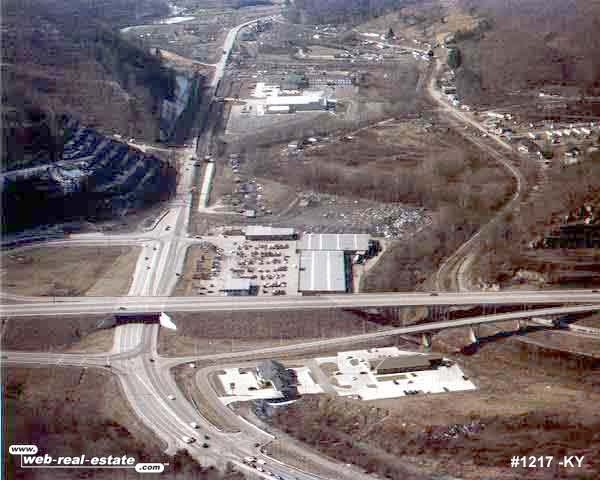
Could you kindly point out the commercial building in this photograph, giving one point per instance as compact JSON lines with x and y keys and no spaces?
{"x":405,"y":363}
{"x":278,"y":109}
{"x":326,"y":260}
{"x":257,"y":232}
{"x":313,"y":100}
{"x":273,"y":373}
{"x":274,"y":99}
{"x":351,"y":243}
{"x":239,"y":287}
{"x":323,"y":271}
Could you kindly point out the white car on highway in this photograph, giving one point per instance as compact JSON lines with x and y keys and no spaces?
{"x":171,"y":397}
{"x":194,"y":425}
{"x":188,"y":439}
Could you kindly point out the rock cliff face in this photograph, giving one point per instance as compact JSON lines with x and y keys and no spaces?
{"x":178,"y":112}
{"x":96,"y":177}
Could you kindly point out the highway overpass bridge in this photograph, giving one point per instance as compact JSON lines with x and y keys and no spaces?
{"x":553,"y":303}
{"x":143,"y":304}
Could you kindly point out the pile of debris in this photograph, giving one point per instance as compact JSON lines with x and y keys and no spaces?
{"x":391,"y":221}
{"x":455,"y":431}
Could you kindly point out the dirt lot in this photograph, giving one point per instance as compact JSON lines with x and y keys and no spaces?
{"x":57,"y":334}
{"x":71,"y":411}
{"x":70,"y":271}
{"x":227,"y":331}
{"x":529,"y":399}
{"x":196,"y":256}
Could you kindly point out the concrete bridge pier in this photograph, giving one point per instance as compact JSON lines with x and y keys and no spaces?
{"x":426,"y":340}
{"x":520,"y":325}
{"x":473,"y":335}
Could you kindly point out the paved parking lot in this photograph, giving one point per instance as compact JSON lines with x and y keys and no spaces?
{"x":349,"y":374}
{"x":271,"y":265}
{"x":242,"y":385}
{"x":354,"y":378}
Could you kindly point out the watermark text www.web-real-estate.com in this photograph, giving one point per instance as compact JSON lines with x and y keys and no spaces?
{"x":31,"y":458}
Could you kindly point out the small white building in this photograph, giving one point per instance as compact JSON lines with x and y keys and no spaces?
{"x":257,"y":232}
{"x":238,"y":287}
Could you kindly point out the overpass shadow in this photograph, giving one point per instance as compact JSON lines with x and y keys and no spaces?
{"x":124,"y":319}
{"x":473,"y":348}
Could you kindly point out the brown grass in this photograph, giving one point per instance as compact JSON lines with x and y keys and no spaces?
{"x":70,"y":271}
{"x":234,"y":331}
{"x":528,"y":399}
{"x":70,"y":333}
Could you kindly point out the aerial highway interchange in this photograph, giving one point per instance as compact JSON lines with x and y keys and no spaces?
{"x":146,"y":376}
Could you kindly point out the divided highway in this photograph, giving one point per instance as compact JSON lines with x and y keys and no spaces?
{"x":146,"y":377}
{"x":157,"y":400}
{"x":131,"y":304}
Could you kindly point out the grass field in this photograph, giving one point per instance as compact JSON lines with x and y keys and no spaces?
{"x":69,"y":271}
{"x":213,"y":332}
{"x":57,"y":334}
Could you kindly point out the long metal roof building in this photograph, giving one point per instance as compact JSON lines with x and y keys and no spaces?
{"x":349,"y":242}
{"x":322,"y":271}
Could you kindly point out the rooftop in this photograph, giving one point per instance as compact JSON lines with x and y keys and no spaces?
{"x":322,"y":271}
{"x":237,"y":284}
{"x":335,"y":241}
{"x":405,"y":361}
{"x":258,"y":230}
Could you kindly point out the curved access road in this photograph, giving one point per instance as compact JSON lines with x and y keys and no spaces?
{"x":451,"y":275}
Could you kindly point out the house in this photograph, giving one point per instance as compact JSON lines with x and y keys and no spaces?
{"x":448,"y":89}
{"x":528,"y":146}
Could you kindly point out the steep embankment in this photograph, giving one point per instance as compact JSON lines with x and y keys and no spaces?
{"x":527,"y":46}
{"x":96,"y":177}
{"x":68,"y":57}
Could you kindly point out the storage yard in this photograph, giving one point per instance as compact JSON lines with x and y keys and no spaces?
{"x":257,"y":260}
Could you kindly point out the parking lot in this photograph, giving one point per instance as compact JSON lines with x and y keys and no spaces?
{"x":272,"y":266}
{"x":349,"y":375}
{"x":241,"y":384}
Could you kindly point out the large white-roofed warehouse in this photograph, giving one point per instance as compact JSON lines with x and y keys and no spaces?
{"x":323,"y":271}
{"x":256,"y":232}
{"x":347,"y":242}
{"x":326,"y":261}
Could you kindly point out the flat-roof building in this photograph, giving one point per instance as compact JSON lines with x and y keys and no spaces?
{"x":238,"y":287}
{"x":294,"y":100}
{"x":256,"y":232}
{"x":280,"y":378}
{"x":405,"y":363}
{"x":347,"y":242}
{"x":278,"y":109}
{"x":322,"y":271}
